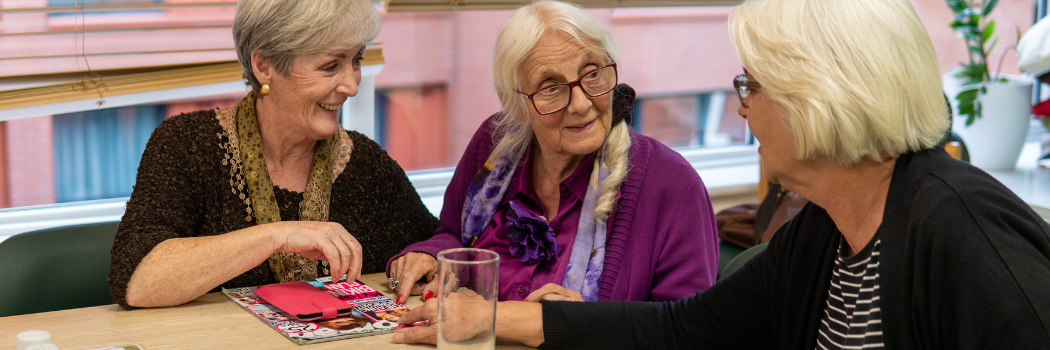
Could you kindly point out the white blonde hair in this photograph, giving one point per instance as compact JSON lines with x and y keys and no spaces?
{"x":516,"y":40}
{"x":856,"y":79}
{"x":282,"y":29}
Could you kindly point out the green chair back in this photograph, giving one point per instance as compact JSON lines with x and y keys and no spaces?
{"x":55,"y":269}
{"x":740,"y":259}
{"x":726,"y":252}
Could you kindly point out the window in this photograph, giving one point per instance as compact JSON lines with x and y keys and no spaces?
{"x":64,"y":17}
{"x":97,"y":152}
{"x":692,"y":120}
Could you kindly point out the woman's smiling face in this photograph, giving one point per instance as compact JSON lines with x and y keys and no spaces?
{"x":310,"y":96}
{"x":582,"y":126}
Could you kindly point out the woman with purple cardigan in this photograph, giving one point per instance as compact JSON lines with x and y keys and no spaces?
{"x":577,"y":204}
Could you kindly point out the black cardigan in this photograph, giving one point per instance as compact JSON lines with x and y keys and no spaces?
{"x":964,"y":264}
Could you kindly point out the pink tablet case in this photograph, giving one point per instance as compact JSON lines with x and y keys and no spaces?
{"x":304,"y":301}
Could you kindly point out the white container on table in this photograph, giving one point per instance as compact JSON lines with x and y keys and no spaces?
{"x":33,"y":337}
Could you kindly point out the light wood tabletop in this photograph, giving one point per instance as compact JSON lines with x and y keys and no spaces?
{"x":210,"y":322}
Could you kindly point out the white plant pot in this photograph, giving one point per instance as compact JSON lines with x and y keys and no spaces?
{"x":995,"y":140}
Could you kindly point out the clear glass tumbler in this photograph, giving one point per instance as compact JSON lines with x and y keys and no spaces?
{"x":467,"y":294}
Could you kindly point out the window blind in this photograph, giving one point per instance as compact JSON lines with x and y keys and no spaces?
{"x":108,"y":83}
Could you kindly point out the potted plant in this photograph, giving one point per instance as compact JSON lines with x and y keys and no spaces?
{"x":992,"y":110}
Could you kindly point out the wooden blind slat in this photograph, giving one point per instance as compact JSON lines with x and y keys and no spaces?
{"x":162,"y":78}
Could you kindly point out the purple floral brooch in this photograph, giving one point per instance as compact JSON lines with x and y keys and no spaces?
{"x":531,"y":237}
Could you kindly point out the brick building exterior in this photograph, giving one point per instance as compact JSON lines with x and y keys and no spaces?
{"x":435,"y":87}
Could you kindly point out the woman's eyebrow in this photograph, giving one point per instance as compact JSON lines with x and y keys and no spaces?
{"x":588,"y":57}
{"x":545,"y":74}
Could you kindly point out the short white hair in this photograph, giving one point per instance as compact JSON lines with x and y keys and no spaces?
{"x":516,"y":40}
{"x":283,"y":29}
{"x":856,"y":79}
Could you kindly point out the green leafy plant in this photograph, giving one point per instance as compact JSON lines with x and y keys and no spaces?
{"x":970,"y":20}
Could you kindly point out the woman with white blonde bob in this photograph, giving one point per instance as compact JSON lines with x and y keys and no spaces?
{"x":579,"y":206}
{"x":273,"y":189}
{"x":901,"y":246}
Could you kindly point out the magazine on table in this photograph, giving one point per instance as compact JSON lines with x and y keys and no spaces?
{"x":373,"y":313}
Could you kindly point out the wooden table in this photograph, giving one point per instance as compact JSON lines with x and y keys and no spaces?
{"x":210,"y":322}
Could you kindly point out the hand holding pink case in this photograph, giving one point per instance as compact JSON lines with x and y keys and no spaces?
{"x":304,"y":301}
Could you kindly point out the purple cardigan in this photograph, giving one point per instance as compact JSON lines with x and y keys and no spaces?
{"x":662,"y":243}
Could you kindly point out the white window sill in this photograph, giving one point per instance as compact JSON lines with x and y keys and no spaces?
{"x":726,"y":171}
{"x":1028,"y":181}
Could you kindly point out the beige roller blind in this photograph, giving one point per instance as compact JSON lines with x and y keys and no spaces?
{"x":456,"y":5}
{"x":107,"y":83}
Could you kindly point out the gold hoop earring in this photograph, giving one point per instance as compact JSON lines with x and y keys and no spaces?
{"x":265,"y":90}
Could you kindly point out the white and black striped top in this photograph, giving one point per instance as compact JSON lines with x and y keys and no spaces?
{"x":852,"y":318}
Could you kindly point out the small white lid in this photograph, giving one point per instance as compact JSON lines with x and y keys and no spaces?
{"x":33,"y":337}
{"x":43,"y":347}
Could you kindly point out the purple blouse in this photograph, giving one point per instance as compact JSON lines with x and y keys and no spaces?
{"x":518,"y":279}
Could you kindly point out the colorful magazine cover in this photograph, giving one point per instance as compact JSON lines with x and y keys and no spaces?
{"x":373,"y":313}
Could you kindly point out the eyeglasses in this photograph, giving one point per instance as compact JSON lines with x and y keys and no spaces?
{"x":744,"y":87}
{"x":553,"y":98}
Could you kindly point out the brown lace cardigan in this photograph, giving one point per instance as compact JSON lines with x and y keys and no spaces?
{"x":185,"y":188}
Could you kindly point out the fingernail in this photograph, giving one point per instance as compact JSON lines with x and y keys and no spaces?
{"x":526,"y":300}
{"x":399,"y":338}
{"x":398,"y":300}
{"x":430,"y":294}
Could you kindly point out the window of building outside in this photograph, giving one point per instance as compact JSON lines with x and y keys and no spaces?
{"x":436,"y":87}
{"x":432,"y":94}
{"x":97,"y":152}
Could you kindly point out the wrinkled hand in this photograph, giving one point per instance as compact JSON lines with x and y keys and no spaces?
{"x":409,"y":270}
{"x":465,"y":316}
{"x":326,"y":241}
{"x":553,"y":292}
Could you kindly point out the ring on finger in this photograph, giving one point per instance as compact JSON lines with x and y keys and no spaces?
{"x":393,"y":282}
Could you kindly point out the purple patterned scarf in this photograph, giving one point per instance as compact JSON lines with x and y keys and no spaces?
{"x":490,"y":184}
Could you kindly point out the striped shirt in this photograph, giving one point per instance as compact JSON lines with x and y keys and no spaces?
{"x":852,"y":318}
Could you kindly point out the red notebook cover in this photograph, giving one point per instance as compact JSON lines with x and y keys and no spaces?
{"x":304,"y":301}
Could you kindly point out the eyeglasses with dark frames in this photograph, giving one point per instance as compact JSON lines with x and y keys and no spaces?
{"x":743,"y":88}
{"x":553,"y":98}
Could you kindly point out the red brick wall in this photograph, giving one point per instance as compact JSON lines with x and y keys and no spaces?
{"x":27,"y":143}
{"x":5,"y":191}
{"x":31,"y":161}
{"x":417,"y":127}
{"x":417,"y":48}
{"x":662,"y":52}
{"x":471,"y":95}
{"x":690,"y":52}
{"x":1010,"y":16}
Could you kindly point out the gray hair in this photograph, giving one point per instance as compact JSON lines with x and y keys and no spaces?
{"x":283,"y":29}
{"x":516,"y":39}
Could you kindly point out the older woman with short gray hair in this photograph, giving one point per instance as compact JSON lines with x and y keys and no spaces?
{"x":273,"y":189}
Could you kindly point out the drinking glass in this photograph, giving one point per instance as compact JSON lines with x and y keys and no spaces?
{"x":467,"y":293}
